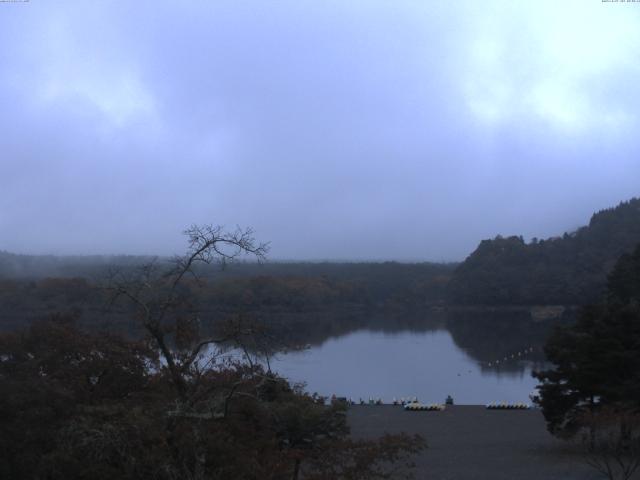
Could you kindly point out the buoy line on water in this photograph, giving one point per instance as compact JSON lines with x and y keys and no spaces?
{"x":412,"y":404}
{"x":514,"y":356}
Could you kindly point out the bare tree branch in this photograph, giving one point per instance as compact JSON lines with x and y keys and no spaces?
{"x":154,"y":292}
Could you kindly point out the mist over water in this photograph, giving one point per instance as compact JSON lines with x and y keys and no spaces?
{"x":210,"y":209}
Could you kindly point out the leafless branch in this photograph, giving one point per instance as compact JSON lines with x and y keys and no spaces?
{"x":154,"y":292}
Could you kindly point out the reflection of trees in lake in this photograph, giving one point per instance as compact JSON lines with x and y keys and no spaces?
{"x":303,"y":329}
{"x":492,"y":338}
{"x":486,"y":336}
{"x":506,"y":341}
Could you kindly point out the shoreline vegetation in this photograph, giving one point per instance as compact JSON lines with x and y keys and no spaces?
{"x":294,"y":304}
{"x":545,"y":276}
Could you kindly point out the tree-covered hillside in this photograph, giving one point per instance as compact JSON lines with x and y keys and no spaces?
{"x":571,"y":269}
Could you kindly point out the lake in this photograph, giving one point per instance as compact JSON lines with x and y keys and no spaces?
{"x":476,"y":360}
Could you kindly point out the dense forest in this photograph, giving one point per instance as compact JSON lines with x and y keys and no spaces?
{"x":81,"y":404}
{"x":569,"y":270}
{"x":594,"y":380}
{"x":109,"y":318}
{"x":287,"y":295}
{"x":323,"y":298}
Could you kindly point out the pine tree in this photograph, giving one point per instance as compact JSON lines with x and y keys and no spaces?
{"x":597,"y":360}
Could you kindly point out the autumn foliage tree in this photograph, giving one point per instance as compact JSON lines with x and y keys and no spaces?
{"x":173,"y":405}
{"x":56,"y":382}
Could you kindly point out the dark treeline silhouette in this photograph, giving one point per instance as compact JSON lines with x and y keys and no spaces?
{"x":597,"y":359}
{"x":320,"y":300}
{"x":376,"y":282}
{"x":569,"y":270}
{"x":169,"y":404}
{"x":287,"y":294}
{"x":88,"y":266}
{"x":80,"y":405}
{"x":592,"y":391}
{"x":298,"y":312}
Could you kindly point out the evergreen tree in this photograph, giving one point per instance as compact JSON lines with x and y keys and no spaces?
{"x":570,"y":270}
{"x":597,"y":360}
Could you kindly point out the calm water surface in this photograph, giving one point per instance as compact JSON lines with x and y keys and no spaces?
{"x":427,"y":364}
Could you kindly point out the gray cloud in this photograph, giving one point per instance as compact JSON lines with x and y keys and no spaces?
{"x":359,"y":130}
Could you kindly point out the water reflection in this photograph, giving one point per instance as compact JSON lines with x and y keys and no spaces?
{"x":476,"y":358}
{"x":501,"y":341}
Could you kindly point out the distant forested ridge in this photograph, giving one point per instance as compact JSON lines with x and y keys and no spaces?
{"x":288,"y":296}
{"x":377,"y":282}
{"x":567,"y":270}
{"x":570,"y":270}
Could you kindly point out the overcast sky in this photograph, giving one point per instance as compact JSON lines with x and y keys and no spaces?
{"x":336,"y":129}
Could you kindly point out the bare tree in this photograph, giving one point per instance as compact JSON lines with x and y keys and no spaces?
{"x":156,"y":293}
{"x":207,"y":406}
{"x":611,"y":442}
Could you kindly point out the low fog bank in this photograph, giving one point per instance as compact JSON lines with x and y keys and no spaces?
{"x":93,"y":267}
